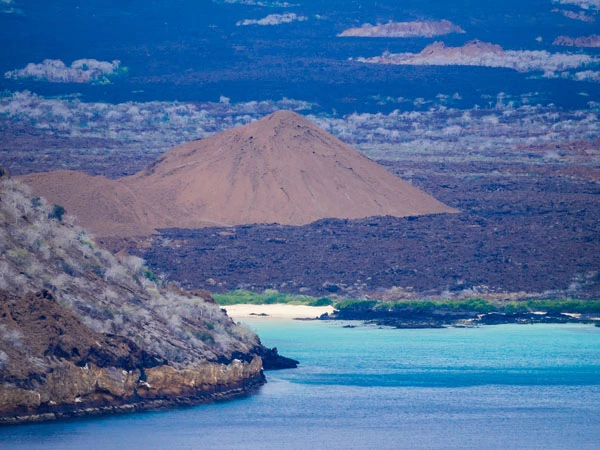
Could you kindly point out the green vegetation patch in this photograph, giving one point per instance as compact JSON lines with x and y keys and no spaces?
{"x":476,"y":305}
{"x":268,"y":297}
{"x":565,"y":306}
{"x":359,"y":305}
{"x":149,"y":274}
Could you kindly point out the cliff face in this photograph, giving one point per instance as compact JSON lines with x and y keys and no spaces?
{"x":71,"y":391}
{"x":58,"y":367}
{"x":84,"y":332}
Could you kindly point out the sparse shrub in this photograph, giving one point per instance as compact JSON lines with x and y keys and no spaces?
{"x":11,"y":337}
{"x":323,"y":301}
{"x":244,"y":334}
{"x":3,"y":360}
{"x":514,"y":308}
{"x":36,"y":202}
{"x":57,"y":213}
{"x":19,"y":256}
{"x":133,"y":263}
{"x":67,"y":268}
{"x":475,"y":304}
{"x":565,"y":306}
{"x":333,"y":288}
{"x":85,"y":241}
{"x":268,"y":297}
{"x":204,"y":336}
{"x":98,"y":270}
{"x":150,"y":275}
{"x":118,"y":274}
{"x":125,"y":297}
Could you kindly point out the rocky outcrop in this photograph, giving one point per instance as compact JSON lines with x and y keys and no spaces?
{"x":59,"y":368}
{"x":409,"y":315}
{"x":70,"y":391}
{"x":42,"y":328}
{"x":272,"y":360}
{"x":83,"y":331}
{"x":401,"y":318}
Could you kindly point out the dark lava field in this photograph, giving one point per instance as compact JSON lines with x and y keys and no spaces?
{"x":524,"y":230}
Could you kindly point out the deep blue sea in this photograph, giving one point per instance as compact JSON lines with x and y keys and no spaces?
{"x":496,"y":387}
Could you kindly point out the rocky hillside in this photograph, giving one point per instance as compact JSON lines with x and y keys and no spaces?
{"x":84,"y":332}
{"x":281,"y":169}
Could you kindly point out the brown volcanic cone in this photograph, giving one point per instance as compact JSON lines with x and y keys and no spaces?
{"x":108,"y":207}
{"x":281,"y":169}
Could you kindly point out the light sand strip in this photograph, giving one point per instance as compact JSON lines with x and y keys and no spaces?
{"x":277,"y":311}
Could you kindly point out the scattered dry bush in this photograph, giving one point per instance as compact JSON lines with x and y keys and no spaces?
{"x":109,"y":294}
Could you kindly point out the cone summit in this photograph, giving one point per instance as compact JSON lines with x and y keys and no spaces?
{"x":280,"y":169}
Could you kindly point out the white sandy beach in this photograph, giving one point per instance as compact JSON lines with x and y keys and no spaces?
{"x":277,"y":311}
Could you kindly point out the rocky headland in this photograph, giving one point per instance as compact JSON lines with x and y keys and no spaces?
{"x":469,"y":313}
{"x":85,"y":332}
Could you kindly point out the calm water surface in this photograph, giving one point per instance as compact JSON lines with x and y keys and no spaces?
{"x":500,"y":387}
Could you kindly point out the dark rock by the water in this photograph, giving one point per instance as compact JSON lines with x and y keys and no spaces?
{"x":272,"y":360}
{"x":441,"y":318}
{"x":495,"y":318}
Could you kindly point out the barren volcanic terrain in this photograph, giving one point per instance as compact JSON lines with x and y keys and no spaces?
{"x":523,"y":231}
{"x":528,"y":221}
{"x":282,"y":169}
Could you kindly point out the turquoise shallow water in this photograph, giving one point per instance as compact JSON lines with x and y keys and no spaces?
{"x":525,"y":387}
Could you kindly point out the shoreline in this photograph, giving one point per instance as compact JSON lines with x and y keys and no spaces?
{"x":452,"y":319}
{"x":412,"y":319}
{"x":67,"y":412}
{"x":276,"y":311}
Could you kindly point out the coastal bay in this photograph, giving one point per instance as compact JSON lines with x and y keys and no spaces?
{"x":407,"y":173}
{"x":507,"y":386}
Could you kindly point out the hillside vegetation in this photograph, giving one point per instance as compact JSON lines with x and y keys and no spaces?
{"x":110,"y":294}
{"x":67,"y":305}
